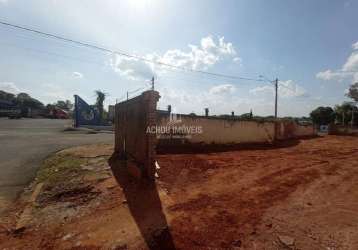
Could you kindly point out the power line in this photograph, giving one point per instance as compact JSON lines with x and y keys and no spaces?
{"x":125,"y":54}
{"x":78,"y":59}
{"x":122,"y":53}
{"x":195,"y":80}
{"x":124,"y":97}
{"x":52,"y":54}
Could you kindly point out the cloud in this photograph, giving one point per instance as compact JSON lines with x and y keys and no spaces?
{"x":187,"y":101}
{"x":348,"y":69}
{"x":199,"y":57}
{"x":355,"y":77}
{"x":291,"y":89}
{"x":222,"y":89}
{"x":4,"y":1}
{"x":261,"y":89}
{"x":77,"y":75}
{"x":215,"y":95}
{"x":208,"y":53}
{"x":286,"y":89}
{"x":237,"y":60}
{"x":132,"y":68}
{"x":355,"y":45}
{"x":328,"y":75}
{"x":9,"y":87}
{"x":52,"y":92}
{"x":351,"y":63}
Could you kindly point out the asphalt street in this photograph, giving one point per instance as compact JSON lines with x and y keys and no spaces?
{"x":25,"y":143}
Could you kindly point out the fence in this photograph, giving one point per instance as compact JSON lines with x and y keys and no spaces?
{"x":132,"y":142}
{"x":139,"y":125}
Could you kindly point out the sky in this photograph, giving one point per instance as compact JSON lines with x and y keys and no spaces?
{"x":310,"y":46}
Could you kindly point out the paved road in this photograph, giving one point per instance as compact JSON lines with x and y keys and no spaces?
{"x":25,"y":143}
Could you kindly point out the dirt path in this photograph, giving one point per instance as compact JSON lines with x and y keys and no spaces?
{"x":298,"y":197}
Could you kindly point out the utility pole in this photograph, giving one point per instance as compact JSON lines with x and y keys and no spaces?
{"x":353,"y":116}
{"x":276,"y":90}
{"x":344,"y":120}
{"x":153,"y":83}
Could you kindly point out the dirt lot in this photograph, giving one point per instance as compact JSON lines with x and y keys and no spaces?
{"x":302,"y":195}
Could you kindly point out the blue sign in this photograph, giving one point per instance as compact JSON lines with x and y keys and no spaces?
{"x":86,"y":114}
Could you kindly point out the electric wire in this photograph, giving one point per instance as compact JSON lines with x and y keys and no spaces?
{"x":169,"y":67}
{"x":122,"y":53}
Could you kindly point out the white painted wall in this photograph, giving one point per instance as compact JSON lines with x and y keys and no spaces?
{"x":224,"y":131}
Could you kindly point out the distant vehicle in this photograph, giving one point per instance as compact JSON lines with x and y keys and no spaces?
{"x":9,"y":109}
{"x":11,"y":113}
{"x":15,"y":114}
{"x":58,"y":113}
{"x":324,"y":128}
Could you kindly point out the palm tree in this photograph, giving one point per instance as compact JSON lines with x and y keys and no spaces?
{"x":101,"y":96}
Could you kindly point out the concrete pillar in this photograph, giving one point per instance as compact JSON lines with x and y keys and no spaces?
{"x":206,"y":112}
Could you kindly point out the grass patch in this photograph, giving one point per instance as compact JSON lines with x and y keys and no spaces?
{"x":60,"y":168}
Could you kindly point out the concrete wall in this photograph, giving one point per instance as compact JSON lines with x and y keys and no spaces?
{"x":304,"y":131}
{"x":224,"y":131}
{"x":290,"y":129}
{"x":230,"y":131}
{"x":132,"y":118}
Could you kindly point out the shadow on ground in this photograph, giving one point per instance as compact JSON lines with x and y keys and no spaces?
{"x":164,"y":147}
{"x":145,"y":206}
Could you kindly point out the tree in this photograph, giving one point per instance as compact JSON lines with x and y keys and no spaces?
{"x":7,"y":96}
{"x":69,"y":104}
{"x":22,"y":97}
{"x":344,"y":112}
{"x":353,"y":92}
{"x":246,"y":116}
{"x":24,"y":100}
{"x":61,"y":104}
{"x":66,"y":105}
{"x":101,"y":96}
{"x":323,"y":115}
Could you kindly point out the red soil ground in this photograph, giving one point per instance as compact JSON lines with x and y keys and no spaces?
{"x":307,"y":191}
{"x":243,"y":199}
